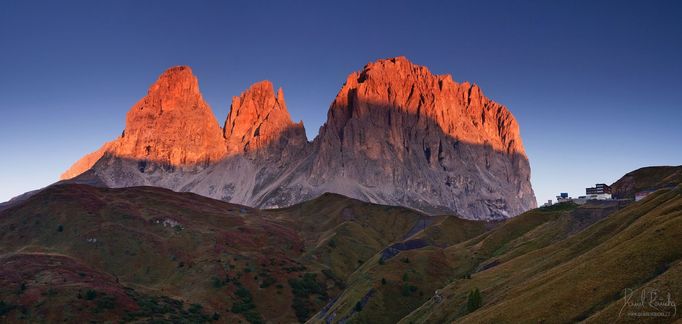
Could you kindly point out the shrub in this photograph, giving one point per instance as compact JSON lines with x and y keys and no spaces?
{"x":60,"y":228}
{"x":245,"y":306}
{"x":383,"y":281}
{"x":267,"y":282}
{"x":405,"y":277}
{"x":306,"y":286}
{"x":302,"y":288}
{"x":358,"y":306}
{"x":105,"y":302}
{"x":217,"y":283}
{"x":195,"y":308}
{"x":253,"y":317}
{"x":90,"y":294}
{"x":474,"y":300}
{"x":300,"y":309}
{"x":245,"y":299}
{"x":5,"y":307}
{"x":405,"y":290}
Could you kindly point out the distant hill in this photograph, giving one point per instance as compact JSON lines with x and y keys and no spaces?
{"x":648,"y":178}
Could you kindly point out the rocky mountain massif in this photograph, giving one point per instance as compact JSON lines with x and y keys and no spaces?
{"x":395,"y":134}
{"x":78,"y":253}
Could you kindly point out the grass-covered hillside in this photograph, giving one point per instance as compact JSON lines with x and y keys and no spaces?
{"x":148,"y":253}
{"x":545,"y":275}
{"x":389,"y":289}
{"x":78,"y":253}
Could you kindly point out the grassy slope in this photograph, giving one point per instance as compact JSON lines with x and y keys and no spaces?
{"x":469,"y":248}
{"x":342,"y":233}
{"x":39,"y":287}
{"x":215,"y":249}
{"x":577,"y":278}
{"x":409,"y":278}
{"x":558,"y":264}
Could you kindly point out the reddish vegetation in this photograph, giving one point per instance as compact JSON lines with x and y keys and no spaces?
{"x":41,"y":272}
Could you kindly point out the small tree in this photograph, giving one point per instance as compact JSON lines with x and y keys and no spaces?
{"x":90,"y":294}
{"x":405,"y":290}
{"x":474,"y":300}
{"x":60,"y":228}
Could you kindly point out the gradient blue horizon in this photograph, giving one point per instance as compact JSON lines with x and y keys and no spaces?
{"x":594,"y":85}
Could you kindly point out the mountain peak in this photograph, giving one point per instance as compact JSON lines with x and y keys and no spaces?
{"x":177,"y":70}
{"x":395,"y":134}
{"x":396,"y":120}
{"x":460,"y":109}
{"x":171,"y":125}
{"x":257,"y":118}
{"x":176,"y":81}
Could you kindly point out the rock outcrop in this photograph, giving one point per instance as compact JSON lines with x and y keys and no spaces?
{"x":395,"y":134}
{"x":171,"y":126}
{"x":260,"y":120}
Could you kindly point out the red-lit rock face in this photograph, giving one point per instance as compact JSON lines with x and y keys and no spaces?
{"x":395,"y":134}
{"x":171,"y":125}
{"x":259,"y":119}
{"x":397,"y":96}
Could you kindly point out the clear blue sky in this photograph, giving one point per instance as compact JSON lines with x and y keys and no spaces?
{"x":596,"y":86}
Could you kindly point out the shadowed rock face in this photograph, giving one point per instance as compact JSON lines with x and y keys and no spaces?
{"x":395,"y":134}
{"x":417,"y":139}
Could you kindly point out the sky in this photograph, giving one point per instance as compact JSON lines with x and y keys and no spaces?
{"x":596,"y":86}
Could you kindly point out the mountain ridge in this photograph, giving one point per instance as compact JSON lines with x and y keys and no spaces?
{"x":395,"y":134}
